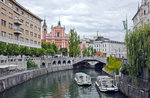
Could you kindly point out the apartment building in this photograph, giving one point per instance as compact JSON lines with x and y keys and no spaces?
{"x":142,"y":15}
{"x":18,"y":25}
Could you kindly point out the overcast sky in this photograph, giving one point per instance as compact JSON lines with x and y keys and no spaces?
{"x":86,"y":16}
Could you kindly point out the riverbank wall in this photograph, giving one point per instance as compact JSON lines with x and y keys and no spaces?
{"x":134,"y":89}
{"x":10,"y":81}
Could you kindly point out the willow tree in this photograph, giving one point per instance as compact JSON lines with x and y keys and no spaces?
{"x":138,"y":49}
{"x":74,"y":47}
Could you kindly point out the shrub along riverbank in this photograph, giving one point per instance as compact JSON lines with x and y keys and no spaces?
{"x":114,"y":65}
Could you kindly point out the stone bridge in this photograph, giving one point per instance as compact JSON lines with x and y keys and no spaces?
{"x":52,"y":62}
{"x":62,"y":61}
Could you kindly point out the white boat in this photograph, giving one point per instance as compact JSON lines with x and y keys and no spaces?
{"x":106,"y":84}
{"x":82,"y":79}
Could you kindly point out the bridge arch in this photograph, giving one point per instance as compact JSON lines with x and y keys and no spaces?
{"x":43,"y":65}
{"x":54,"y":62}
{"x":64,"y":62}
{"x":99,"y":65}
{"x":69,"y":62}
{"x":59,"y":62}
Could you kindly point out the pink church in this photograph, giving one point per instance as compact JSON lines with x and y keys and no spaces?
{"x":57,"y":36}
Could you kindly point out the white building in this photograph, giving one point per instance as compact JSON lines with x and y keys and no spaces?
{"x":142,"y":15}
{"x":109,"y":47}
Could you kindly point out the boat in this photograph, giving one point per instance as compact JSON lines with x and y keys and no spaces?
{"x":106,"y":84}
{"x":82,"y":79}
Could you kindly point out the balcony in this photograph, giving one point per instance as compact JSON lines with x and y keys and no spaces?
{"x":17,"y":22}
{"x":17,"y":31}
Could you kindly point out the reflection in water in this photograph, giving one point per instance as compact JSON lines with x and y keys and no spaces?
{"x":58,"y":85}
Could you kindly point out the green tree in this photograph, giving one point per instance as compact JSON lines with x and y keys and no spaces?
{"x":3,"y":48}
{"x":50,"y":52}
{"x":9,"y":50}
{"x":16,"y":50}
{"x":64,"y":51}
{"x":74,"y":47}
{"x":25,"y":50}
{"x":31,"y":64}
{"x":55,"y":48}
{"x":138,"y":50}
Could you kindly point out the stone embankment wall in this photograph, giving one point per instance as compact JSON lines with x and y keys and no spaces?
{"x":135,"y":89}
{"x":18,"y":78}
{"x":129,"y":88}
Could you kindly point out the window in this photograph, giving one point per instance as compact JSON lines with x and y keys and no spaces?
{"x":27,"y":40}
{"x":39,"y":36}
{"x":22,"y":30}
{"x":35,"y":20}
{"x":35,"y":35}
{"x":17,"y":9}
{"x":16,"y":27}
{"x":3,"y":11}
{"x":144,"y":12}
{"x":21,"y":20}
{"x":44,"y":29}
{"x":3,"y":1}
{"x":31,"y":41}
{"x":57,"y":34}
{"x":27,"y":15}
{"x":10,"y":26}
{"x":21,"y":39}
{"x":27,"y":32}
{"x":10,"y":36}
{"x":39,"y":43}
{"x":39,"y":29}
{"x":39,"y":23}
{"x":35,"y":27}
{"x":35,"y":42}
{"x":10,"y":4}
{"x":16,"y":37}
{"x":31,"y":18}
{"x":31,"y":34}
{"x":27,"y":24}
{"x":3,"y":22}
{"x":16,"y":18}
{"x":10,"y":15}
{"x":3,"y":34}
{"x":22,"y":12}
{"x":31,"y":25}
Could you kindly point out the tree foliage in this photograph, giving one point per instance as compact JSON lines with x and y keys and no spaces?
{"x":89,"y":52}
{"x":31,"y":64}
{"x":50,"y":49}
{"x":113,"y":65}
{"x":138,"y":50}
{"x":15,"y":50}
{"x":64,"y":51}
{"x":74,"y":47}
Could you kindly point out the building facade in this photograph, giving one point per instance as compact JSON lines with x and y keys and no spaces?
{"x":18,"y":25}
{"x":84,"y":43}
{"x":109,"y":47}
{"x":142,"y":15}
{"x":57,"y":36}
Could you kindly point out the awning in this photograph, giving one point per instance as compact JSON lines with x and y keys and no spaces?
{"x":10,"y":67}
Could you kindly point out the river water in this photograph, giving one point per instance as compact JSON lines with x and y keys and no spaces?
{"x":59,"y":85}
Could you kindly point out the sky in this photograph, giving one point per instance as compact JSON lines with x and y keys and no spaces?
{"x":87,"y":17}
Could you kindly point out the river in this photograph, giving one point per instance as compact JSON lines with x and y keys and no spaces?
{"x":59,"y":85}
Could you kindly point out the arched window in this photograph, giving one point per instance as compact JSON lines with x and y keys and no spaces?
{"x":57,"y":34}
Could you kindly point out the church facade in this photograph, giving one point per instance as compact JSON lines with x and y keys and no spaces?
{"x":57,"y":36}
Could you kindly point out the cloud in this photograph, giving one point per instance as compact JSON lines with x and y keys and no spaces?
{"x":86,"y":16}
